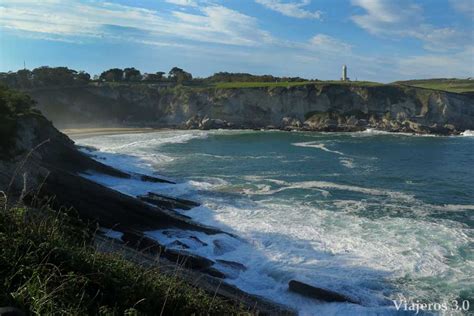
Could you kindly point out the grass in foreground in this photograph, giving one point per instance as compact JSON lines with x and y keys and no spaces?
{"x":48,"y":267}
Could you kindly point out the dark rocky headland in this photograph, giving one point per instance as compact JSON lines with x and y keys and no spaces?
{"x":39,"y":177}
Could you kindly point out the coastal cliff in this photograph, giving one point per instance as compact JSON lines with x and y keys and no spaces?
{"x":43,"y":194}
{"x":314,"y":106}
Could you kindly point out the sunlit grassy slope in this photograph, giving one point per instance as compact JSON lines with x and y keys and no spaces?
{"x":450,"y":85}
{"x":236,"y":85}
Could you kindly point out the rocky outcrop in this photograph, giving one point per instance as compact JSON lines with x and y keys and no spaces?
{"x":43,"y":163}
{"x":212,"y":285}
{"x":318,"y":293}
{"x":206,"y":123}
{"x":316,"y":106}
{"x":168,"y":202}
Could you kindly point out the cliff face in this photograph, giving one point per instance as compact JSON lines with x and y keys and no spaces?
{"x":328,"y":107}
{"x":40,"y":162}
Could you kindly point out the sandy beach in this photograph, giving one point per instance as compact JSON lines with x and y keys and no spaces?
{"x":78,"y":133}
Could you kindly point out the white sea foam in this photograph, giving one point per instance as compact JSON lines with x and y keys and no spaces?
{"x":468,"y":133}
{"x":347,"y":162}
{"x":326,"y":243}
{"x":372,"y":131}
{"x":336,"y":186}
{"x":452,"y":207}
{"x":315,"y":144}
{"x":375,"y":132}
{"x":345,"y":253}
{"x":142,"y":151}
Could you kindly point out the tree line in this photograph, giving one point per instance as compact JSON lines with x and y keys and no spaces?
{"x":62,"y":76}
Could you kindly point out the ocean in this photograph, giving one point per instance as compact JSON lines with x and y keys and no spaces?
{"x":372,"y":215}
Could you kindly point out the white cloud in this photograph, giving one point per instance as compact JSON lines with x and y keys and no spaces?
{"x":403,"y":18}
{"x":213,"y":24}
{"x":326,"y":43}
{"x":386,"y":17}
{"x":458,"y":65}
{"x":184,"y":3}
{"x":291,"y":9}
{"x":464,"y":6}
{"x":230,"y":40}
{"x":222,"y":25}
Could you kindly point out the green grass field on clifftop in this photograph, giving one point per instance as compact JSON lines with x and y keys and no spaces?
{"x":450,"y":85}
{"x":286,"y":84}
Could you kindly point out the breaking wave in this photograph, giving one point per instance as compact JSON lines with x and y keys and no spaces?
{"x":369,"y":245}
{"x":317,"y":145}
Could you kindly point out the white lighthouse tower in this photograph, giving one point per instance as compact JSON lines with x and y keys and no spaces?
{"x":344,"y":73}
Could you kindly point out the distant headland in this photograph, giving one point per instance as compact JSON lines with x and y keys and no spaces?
{"x":128,"y":98}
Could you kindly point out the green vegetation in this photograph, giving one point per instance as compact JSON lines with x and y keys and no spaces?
{"x":450,"y":85}
{"x":246,"y":77}
{"x":49,"y":267}
{"x":12,"y":105}
{"x":44,"y":77}
{"x":47,"y":77}
{"x":235,"y":85}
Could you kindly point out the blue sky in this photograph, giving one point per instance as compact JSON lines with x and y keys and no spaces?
{"x":379,"y":40}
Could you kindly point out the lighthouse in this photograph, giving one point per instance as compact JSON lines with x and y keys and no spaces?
{"x":344,"y":73}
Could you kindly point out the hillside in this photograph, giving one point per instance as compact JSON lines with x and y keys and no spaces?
{"x":54,"y":259}
{"x":450,"y":85}
{"x":317,"y":106}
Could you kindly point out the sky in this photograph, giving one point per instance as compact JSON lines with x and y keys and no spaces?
{"x":378,"y":40}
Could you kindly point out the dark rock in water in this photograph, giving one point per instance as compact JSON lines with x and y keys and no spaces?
{"x":232,"y":264}
{"x":221,"y":247}
{"x":168,"y":202}
{"x":187,"y":259}
{"x":10,"y":311}
{"x":214,"y":272}
{"x":177,"y":244}
{"x":192,"y":241}
{"x":197,"y":240}
{"x":318,"y":293}
{"x":151,"y":246}
{"x":87,"y":148}
{"x":208,"y":123}
{"x":192,"y":123}
{"x":140,"y":242}
{"x":146,"y":178}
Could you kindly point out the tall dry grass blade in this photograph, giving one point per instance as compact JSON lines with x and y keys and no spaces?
{"x":22,"y":164}
{"x":3,"y":201}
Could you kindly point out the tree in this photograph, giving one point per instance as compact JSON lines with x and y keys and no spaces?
{"x":113,"y":75}
{"x":24,"y":78}
{"x":83,"y":77}
{"x":158,"y":76}
{"x":132,"y":74}
{"x":179,"y":75}
{"x":58,"y":76}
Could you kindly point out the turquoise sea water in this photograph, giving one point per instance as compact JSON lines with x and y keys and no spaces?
{"x":372,"y":215}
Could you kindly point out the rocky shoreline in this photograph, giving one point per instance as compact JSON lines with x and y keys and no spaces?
{"x":45,"y":165}
{"x":332,"y":123}
{"x":328,"y":107}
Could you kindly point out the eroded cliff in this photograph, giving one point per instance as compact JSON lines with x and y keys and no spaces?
{"x":320,"y":106}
